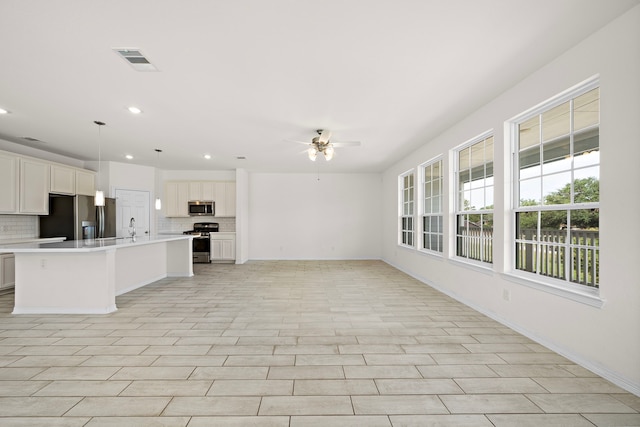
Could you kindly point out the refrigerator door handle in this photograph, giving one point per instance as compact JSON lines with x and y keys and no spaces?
{"x":100,"y":218}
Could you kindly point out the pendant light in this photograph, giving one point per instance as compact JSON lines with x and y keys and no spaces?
{"x":99,"y":198}
{"x":158,"y":201}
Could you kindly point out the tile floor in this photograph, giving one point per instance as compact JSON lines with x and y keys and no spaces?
{"x":275,"y":343}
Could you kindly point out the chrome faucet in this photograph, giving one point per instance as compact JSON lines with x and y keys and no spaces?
{"x":132,"y":228}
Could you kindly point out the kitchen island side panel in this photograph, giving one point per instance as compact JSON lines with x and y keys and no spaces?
{"x":65,"y":283}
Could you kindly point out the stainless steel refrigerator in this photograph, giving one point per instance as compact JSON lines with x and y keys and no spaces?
{"x":77,"y":218}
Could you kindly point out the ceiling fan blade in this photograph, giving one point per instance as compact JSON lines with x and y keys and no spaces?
{"x":298,"y":142}
{"x":324,"y":136}
{"x":346,"y":143}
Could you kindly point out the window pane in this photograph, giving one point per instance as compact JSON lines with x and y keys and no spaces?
{"x":435,"y":205}
{"x":586,"y":190}
{"x":436,"y":185}
{"x":556,"y":188}
{"x":463,"y":159}
{"x":555,"y":122}
{"x":434,"y":224}
{"x":585,"y":220}
{"x":586,"y":110}
{"x":587,"y":158}
{"x":436,"y":169}
{"x":488,"y":198}
{"x":553,"y":223}
{"x":488,"y":150}
{"x":477,"y":198}
{"x":556,"y":156}
{"x":527,"y":225}
{"x":530,"y":192}
{"x":529,"y":133}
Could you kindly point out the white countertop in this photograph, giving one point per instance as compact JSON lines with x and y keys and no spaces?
{"x":88,"y":245}
{"x":30,"y":239}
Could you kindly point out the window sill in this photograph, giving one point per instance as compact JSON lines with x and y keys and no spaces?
{"x":476,"y":266}
{"x":434,"y":254}
{"x":572,"y":292}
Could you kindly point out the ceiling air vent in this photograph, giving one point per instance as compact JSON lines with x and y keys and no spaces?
{"x":136,"y":59}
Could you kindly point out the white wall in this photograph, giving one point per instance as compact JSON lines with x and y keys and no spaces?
{"x":606,"y":339}
{"x":297,"y":216}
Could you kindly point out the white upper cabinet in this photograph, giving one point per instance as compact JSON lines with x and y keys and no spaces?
{"x":178,"y":193}
{"x":63,"y":180}
{"x":8,"y":183}
{"x":85,"y":182}
{"x":176,"y":196}
{"x":34,"y":187}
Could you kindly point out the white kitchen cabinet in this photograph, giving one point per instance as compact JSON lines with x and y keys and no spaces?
{"x":202,"y":190}
{"x":223,"y":247}
{"x":225,"y":198}
{"x":176,"y":201}
{"x":85,"y":183}
{"x":34,"y":187}
{"x":63,"y":180}
{"x":7,"y":271}
{"x":8,"y":183}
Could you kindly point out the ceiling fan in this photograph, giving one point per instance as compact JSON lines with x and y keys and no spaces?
{"x":323,"y":144}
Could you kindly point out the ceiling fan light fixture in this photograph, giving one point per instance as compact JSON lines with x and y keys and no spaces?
{"x":329,"y":152}
{"x":313,"y":153}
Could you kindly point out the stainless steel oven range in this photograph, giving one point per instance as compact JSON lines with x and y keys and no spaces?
{"x":202,"y":241}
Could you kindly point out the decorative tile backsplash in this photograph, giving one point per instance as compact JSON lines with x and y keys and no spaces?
{"x":165,"y":224}
{"x":18,"y":226}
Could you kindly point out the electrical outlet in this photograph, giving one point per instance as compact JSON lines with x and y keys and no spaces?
{"x":506,"y":294}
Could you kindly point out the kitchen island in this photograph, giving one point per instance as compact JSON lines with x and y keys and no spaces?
{"x":85,"y":276}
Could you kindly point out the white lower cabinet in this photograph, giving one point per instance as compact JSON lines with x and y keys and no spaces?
{"x":7,"y":271}
{"x":223,"y":247}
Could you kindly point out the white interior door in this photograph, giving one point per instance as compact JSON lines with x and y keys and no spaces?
{"x":132,"y":204}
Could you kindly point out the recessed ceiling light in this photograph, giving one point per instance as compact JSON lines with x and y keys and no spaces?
{"x":3,"y":111}
{"x":135,"y":110}
{"x":241,"y":158}
{"x":207,"y":156}
{"x":129,"y":157}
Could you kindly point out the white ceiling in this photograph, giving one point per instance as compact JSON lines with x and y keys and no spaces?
{"x":241,"y":77}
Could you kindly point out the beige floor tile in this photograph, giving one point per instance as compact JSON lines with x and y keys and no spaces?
{"x":21,"y":388}
{"x":392,"y":371}
{"x":83,"y":388}
{"x":268,"y":360}
{"x":306,"y":405}
{"x":340,"y":421}
{"x":306,"y":372}
{"x":17,"y":374}
{"x":334,"y":387}
{"x":499,"y":385}
{"x":251,"y":388}
{"x":398,"y":359}
{"x":614,"y":420}
{"x":489,"y":404}
{"x":417,"y":386}
{"x":230,"y":372}
{"x":335,"y":340}
{"x":36,"y":406}
{"x":45,"y":421}
{"x":371,"y":348}
{"x":456,"y":371}
{"x":578,"y":385}
{"x":49,"y":361}
{"x":77,"y":373}
{"x":153,"y":373}
{"x":119,"y":406}
{"x":138,"y":422}
{"x":387,"y":405}
{"x":440,"y":421}
{"x":262,"y":421}
{"x":538,"y":371}
{"x":241,"y":349}
{"x":167,"y":388}
{"x":187,"y":360}
{"x":103,"y":350}
{"x":537,"y":420}
{"x":579,"y":403}
{"x":217,"y":405}
{"x":177,"y":350}
{"x":119,"y":360}
{"x":329,"y":359}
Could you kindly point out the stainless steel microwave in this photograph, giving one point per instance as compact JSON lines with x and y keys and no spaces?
{"x":202,"y":208}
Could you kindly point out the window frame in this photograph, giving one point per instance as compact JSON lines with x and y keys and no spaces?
{"x":560,"y":286}
{"x":457,"y":210}
{"x":422,"y":210}
{"x":410,"y":205}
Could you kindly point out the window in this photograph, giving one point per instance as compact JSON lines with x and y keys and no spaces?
{"x":474,"y":201}
{"x":432,"y":206}
{"x":557,"y":173}
{"x":406,"y":208}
